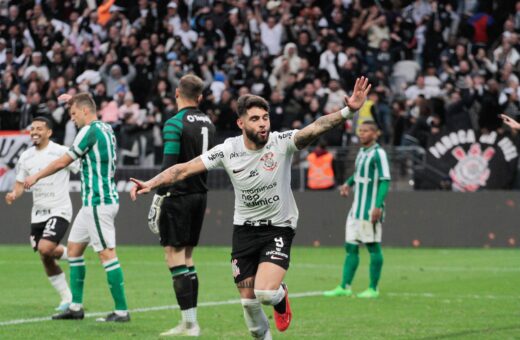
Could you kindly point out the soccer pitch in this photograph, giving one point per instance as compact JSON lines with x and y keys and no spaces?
{"x":425,"y":294}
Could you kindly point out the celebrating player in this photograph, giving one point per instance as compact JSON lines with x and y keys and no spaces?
{"x":95,"y":145}
{"x":177,"y":211}
{"x":52,"y":209}
{"x":371,"y":180}
{"x":259,"y":163}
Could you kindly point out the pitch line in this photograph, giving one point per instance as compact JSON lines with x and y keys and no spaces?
{"x":292,"y":296}
{"x":151,"y":309}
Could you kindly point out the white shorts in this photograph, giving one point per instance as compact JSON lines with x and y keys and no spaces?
{"x":360,"y":231}
{"x":95,"y":225}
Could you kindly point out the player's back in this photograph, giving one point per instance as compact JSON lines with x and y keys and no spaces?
{"x":98,"y":165}
{"x":188,"y":134}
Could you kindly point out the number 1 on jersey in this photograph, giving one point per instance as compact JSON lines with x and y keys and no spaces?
{"x":205,"y":136}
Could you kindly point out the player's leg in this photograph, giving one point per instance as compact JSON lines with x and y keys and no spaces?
{"x":103,"y":238}
{"x":175,"y":226}
{"x":376,"y":261}
{"x":77,"y":267}
{"x":246,"y":246}
{"x":351,"y":262}
{"x":254,"y":315}
{"x":50,"y":250}
{"x":274,"y":262}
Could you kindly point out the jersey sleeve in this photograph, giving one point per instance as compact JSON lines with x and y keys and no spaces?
{"x":85,"y":140}
{"x":382,"y":165}
{"x":21,"y":170}
{"x":172,"y":132}
{"x":214,"y":158}
{"x":286,"y":140}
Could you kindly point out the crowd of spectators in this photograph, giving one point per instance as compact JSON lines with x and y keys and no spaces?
{"x":433,"y":64}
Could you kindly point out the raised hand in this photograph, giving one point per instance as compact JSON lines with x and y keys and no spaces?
{"x":513,"y":124}
{"x":359,"y":94}
{"x":64,"y":98}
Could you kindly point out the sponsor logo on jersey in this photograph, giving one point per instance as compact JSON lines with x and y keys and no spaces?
{"x":253,"y":173}
{"x":198,"y":118}
{"x":237,"y":154}
{"x":262,"y":202}
{"x":236,"y":171}
{"x":269,"y":162}
{"x":285,"y":135}
{"x":216,"y":155}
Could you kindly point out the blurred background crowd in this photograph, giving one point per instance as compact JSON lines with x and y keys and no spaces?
{"x":434,"y":65}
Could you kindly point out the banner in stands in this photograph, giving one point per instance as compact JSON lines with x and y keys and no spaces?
{"x":12,"y":144}
{"x":473,"y":162}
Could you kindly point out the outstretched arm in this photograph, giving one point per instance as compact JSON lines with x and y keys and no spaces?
{"x":173,"y":174}
{"x":311,"y":132}
{"x":50,"y":169}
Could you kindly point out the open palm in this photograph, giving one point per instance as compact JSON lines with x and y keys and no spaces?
{"x":359,"y":94}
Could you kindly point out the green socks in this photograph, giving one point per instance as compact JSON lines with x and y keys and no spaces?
{"x":77,"y":278}
{"x":116,"y":283}
{"x":376,"y":263}
{"x":350,"y":265}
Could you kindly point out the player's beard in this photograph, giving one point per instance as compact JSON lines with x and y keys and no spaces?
{"x":255,"y":137}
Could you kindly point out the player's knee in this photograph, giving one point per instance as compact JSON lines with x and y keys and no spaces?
{"x":265,"y":297}
{"x":45,"y":251}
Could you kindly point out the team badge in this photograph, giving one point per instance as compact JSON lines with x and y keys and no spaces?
{"x":234,"y":268}
{"x":472,"y":170}
{"x":269,"y":162}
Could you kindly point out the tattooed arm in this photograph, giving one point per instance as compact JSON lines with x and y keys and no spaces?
{"x":307,"y":135}
{"x":175,"y":173}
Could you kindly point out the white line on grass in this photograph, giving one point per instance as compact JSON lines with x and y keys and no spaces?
{"x":151,"y":309}
{"x":293,"y":296}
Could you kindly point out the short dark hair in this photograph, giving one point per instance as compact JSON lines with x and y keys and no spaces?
{"x":372,"y":124}
{"x":45,"y":120}
{"x":191,"y":87}
{"x":248,"y":101}
{"x":84,"y":99}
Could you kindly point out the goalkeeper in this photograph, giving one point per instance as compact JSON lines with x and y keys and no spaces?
{"x":177,"y":211}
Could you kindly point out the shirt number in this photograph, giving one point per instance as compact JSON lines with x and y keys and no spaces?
{"x":205,"y":135}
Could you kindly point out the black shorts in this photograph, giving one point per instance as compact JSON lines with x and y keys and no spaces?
{"x":181,"y":220}
{"x":53,"y":230}
{"x":254,"y":245}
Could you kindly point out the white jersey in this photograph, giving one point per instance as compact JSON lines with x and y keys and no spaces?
{"x":261,"y":179}
{"x":50,"y":194}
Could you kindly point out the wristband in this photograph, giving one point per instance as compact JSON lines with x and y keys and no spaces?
{"x":346,"y":112}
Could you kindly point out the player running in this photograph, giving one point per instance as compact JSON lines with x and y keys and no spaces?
{"x":52,"y":208}
{"x":259,"y":163}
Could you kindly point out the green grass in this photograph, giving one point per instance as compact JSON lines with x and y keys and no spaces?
{"x":425,"y":294}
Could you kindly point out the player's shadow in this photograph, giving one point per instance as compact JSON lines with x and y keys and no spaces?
{"x":471,"y":332}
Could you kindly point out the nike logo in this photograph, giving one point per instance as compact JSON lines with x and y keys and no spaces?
{"x":238,"y":170}
{"x":276,"y":258}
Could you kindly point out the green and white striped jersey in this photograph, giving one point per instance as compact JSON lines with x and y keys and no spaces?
{"x":371,"y":168}
{"x":95,"y":144}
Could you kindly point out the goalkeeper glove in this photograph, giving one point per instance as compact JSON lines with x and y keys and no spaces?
{"x":155,"y":213}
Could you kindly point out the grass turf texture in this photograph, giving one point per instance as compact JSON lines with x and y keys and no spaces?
{"x":425,"y":294}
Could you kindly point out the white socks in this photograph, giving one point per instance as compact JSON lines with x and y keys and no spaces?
{"x":256,"y":320}
{"x":189,"y":315}
{"x":60,"y":284}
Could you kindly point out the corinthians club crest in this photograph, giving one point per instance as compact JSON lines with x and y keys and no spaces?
{"x":269,"y":162}
{"x":472,"y":169}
